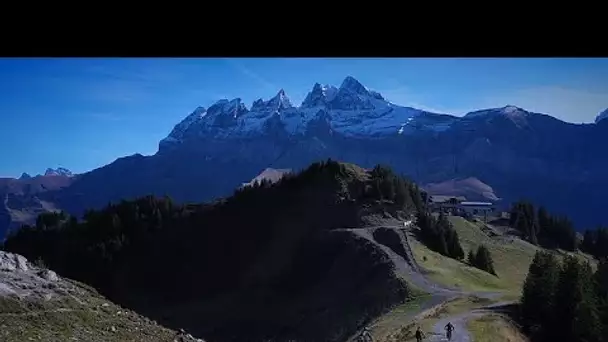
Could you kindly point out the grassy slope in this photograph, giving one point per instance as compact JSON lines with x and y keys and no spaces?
{"x":511,"y":261}
{"x":494,"y":328}
{"x":89,"y":318}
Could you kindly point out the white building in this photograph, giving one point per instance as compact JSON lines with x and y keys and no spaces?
{"x":477,"y":208}
{"x":444,"y":203}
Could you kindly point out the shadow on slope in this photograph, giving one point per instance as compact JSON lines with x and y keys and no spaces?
{"x":264,"y":264}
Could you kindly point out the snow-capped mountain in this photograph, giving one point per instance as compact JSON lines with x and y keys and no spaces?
{"x":58,"y":172}
{"x":350,"y":110}
{"x":216,"y":149}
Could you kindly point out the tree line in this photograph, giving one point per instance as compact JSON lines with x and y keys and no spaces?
{"x":439,"y":235}
{"x":595,"y":242}
{"x":565,"y":302}
{"x":539,"y":227}
{"x":327,"y":194}
{"x":267,"y":243}
{"x":482,"y":259}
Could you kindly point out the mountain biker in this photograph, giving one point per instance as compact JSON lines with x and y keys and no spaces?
{"x":449,"y":328}
{"x":419,"y":335}
{"x":365,"y":336}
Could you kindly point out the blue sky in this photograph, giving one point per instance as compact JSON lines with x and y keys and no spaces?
{"x":84,"y":113}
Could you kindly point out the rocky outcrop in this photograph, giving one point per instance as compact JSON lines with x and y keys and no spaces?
{"x":20,"y":278}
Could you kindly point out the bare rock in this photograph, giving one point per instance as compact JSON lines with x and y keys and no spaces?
{"x":48,"y":275}
{"x":13,"y":262}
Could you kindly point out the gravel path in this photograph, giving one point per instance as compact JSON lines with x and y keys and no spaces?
{"x":460,"y":333}
{"x":409,"y":270}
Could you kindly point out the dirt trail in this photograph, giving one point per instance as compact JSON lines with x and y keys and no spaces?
{"x":409,"y":270}
{"x":460,"y":333}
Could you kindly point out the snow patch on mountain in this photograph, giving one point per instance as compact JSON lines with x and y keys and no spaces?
{"x":270,"y":174}
{"x":508,"y":111}
{"x":58,"y":172}
{"x":601,"y":116}
{"x":351,"y":110}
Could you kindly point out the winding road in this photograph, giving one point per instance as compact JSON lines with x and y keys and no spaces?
{"x":408,"y":269}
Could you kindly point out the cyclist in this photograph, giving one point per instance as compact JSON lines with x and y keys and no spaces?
{"x":419,"y":335}
{"x":449,"y":328}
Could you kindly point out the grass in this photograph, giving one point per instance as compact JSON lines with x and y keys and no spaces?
{"x":512,"y":259}
{"x":90,"y":318}
{"x":494,"y":328}
{"x":393,"y":321}
{"x":400,"y":324}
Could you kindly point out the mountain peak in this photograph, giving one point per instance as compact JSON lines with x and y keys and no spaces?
{"x":25,"y":175}
{"x":234,"y":107}
{"x":508,"y":110}
{"x":601,"y":116}
{"x":279,"y":102}
{"x":352,"y":84}
{"x":320,"y":95}
{"x":61,"y":171}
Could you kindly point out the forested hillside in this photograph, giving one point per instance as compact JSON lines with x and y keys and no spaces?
{"x":266,"y":262}
{"x":565,"y":302}
{"x":541,"y":228}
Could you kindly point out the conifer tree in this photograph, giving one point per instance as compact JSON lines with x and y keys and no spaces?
{"x":471,"y":257}
{"x":454,"y":248}
{"x":483,"y":260}
{"x":601,"y":287}
{"x":575,"y":303}
{"x":537,"y":302}
{"x":588,"y":244}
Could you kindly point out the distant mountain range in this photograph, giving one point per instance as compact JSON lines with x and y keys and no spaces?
{"x":216,"y":149}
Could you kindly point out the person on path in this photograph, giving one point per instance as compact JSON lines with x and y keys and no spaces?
{"x":449,"y":328}
{"x":419,"y":335}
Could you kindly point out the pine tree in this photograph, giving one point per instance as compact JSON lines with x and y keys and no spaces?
{"x":401,"y":192}
{"x":601,"y":288}
{"x":537,"y":301}
{"x":483,"y":260}
{"x":544,"y":220}
{"x":575,"y":303}
{"x":453,"y":243}
{"x":601,"y":243}
{"x":471,"y":257}
{"x":388,"y":188}
{"x":588,"y":244}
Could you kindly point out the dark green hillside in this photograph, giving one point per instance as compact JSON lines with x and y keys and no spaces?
{"x":565,"y":301}
{"x":264,"y":263}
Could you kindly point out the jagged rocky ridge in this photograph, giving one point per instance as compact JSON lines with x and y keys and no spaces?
{"x":520,"y":154}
